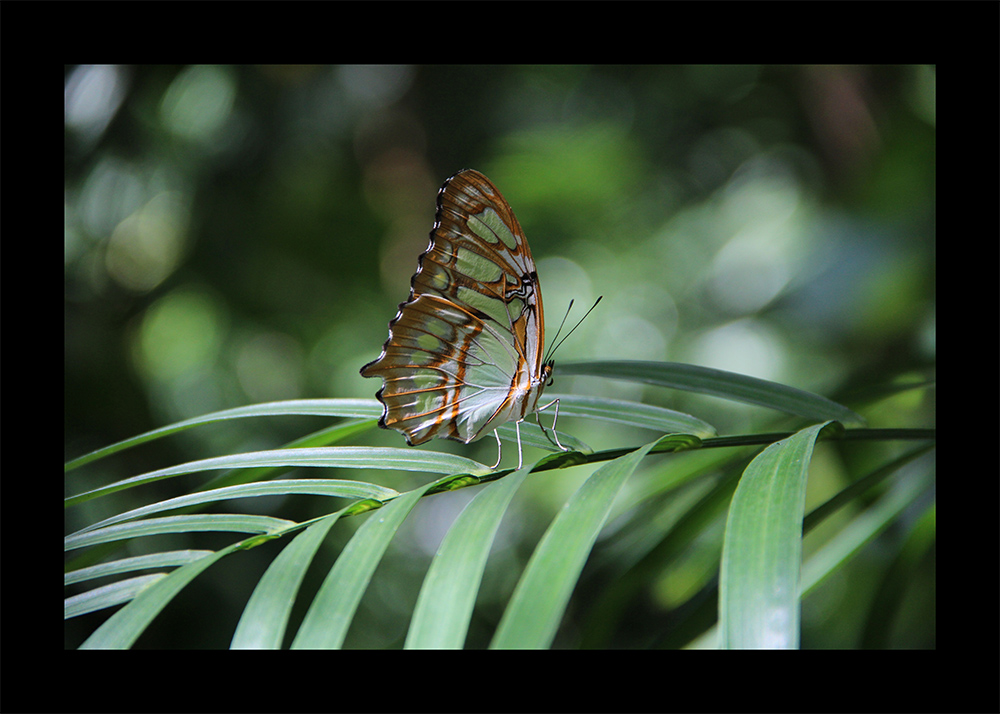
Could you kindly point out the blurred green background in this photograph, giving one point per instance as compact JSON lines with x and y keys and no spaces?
{"x":236,"y":235}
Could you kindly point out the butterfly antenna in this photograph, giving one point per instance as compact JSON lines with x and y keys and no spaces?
{"x":556,"y":341}
{"x":555,"y":338}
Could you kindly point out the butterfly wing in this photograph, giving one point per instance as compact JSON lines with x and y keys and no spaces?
{"x":465,"y":350}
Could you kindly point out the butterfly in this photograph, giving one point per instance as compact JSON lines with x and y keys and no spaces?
{"x":465,"y":350}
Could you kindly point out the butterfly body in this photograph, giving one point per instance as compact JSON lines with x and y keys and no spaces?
{"x":465,"y":350}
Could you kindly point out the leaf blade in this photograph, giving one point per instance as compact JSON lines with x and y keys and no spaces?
{"x":329,"y":617}
{"x":363,"y":408}
{"x":121,"y":630}
{"x":444,"y":607}
{"x":719,"y":383}
{"x":535,"y":610}
{"x":759,"y":592}
{"x":265,"y":617}
{"x":318,"y":457}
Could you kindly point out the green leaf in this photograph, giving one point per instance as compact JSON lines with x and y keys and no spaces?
{"x":540,"y":598}
{"x":759,"y":595}
{"x":282,"y":487}
{"x":638,"y":414}
{"x":226,"y":522}
{"x":329,"y":436}
{"x":108,"y":595}
{"x":444,"y":607}
{"x":121,"y":630}
{"x":166,"y":559}
{"x":325,"y":457}
{"x":367,"y":408}
{"x":265,"y":617}
{"x":863,"y":528}
{"x":727,"y":385}
{"x":329,"y":617}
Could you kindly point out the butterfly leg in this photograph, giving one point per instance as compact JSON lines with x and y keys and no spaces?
{"x":517,"y":428}
{"x":499,"y":450}
{"x":555,"y":419}
{"x":520,"y":460}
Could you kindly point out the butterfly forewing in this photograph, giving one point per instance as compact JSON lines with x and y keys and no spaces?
{"x":465,"y":350}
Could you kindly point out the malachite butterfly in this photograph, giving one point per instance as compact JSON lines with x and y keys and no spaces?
{"x":464,"y":353}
